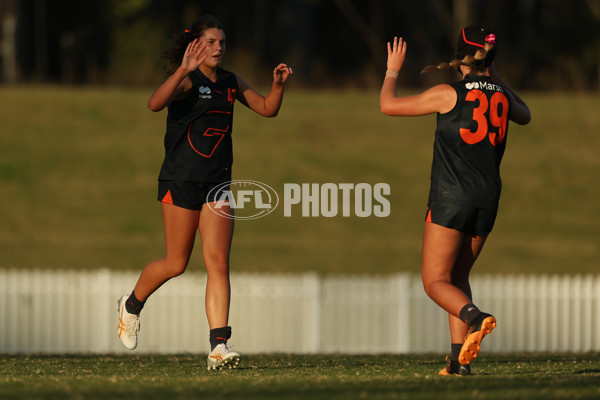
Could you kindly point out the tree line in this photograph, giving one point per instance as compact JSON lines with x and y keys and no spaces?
{"x":543,"y":44}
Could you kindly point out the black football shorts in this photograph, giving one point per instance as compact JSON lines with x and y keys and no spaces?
{"x":189,"y":194}
{"x":470,"y":220}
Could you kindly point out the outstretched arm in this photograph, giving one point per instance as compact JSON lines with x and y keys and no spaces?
{"x":440,"y":98}
{"x":175,"y":85}
{"x":519,"y":112}
{"x":266,"y":106}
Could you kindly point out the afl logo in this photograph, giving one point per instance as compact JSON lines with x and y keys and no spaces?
{"x":242,"y":200}
{"x":472,"y":85}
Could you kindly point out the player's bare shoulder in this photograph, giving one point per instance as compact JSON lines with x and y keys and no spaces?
{"x":443,"y":97}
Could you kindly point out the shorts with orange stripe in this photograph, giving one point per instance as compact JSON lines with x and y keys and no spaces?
{"x":471,"y":220}
{"x":189,"y":194}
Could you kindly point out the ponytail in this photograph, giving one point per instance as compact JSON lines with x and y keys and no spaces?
{"x":477,"y":52}
{"x":477,"y":61}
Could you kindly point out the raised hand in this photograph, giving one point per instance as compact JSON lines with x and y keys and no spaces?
{"x":396,"y":54}
{"x":193,"y":56}
{"x":281,"y":73}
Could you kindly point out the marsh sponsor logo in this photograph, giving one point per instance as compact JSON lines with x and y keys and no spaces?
{"x":204,"y":92}
{"x":483,"y":85}
{"x":247,"y":199}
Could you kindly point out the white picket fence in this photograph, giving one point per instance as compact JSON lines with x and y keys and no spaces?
{"x":76,"y":312}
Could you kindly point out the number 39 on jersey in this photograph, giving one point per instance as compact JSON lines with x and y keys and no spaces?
{"x":486,"y":113}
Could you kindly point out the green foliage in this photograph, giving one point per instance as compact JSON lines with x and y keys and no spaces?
{"x":282,"y":376}
{"x":79,"y":166}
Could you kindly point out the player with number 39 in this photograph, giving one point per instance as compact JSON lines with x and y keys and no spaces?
{"x":472,"y":126}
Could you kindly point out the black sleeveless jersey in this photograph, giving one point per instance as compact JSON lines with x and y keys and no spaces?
{"x":469,"y":145}
{"x":198,"y":143}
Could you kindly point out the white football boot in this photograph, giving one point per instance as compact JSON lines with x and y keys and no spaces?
{"x":221,"y":358}
{"x":129,"y":325}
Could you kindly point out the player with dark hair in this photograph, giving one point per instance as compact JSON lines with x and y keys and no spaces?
{"x":199,"y":95}
{"x":472,"y":124}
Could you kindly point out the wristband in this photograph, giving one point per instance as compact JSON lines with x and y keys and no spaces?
{"x":390,"y":73}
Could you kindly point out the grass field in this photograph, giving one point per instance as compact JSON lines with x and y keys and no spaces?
{"x":78,"y":171}
{"x":521,"y":376}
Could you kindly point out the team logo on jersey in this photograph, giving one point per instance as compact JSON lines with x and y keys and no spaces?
{"x":204,"y":92}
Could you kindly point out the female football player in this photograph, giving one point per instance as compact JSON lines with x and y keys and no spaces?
{"x":472,"y":124}
{"x":199,"y":96}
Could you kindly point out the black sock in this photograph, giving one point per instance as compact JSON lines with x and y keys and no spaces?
{"x":456,"y":347}
{"x":133,"y":305}
{"x":469,"y":313}
{"x":218,"y":336}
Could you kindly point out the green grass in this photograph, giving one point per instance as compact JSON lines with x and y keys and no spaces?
{"x":521,"y":376}
{"x":78,"y":169}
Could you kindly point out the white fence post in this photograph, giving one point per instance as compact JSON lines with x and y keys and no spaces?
{"x":3,"y":311}
{"x":311,"y":313}
{"x":595,"y":323}
{"x":401,"y":293}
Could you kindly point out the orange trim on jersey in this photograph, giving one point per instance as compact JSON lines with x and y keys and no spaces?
{"x":168,"y":199}
{"x":428,"y":219}
{"x":219,"y":112}
{"x":472,"y":43}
